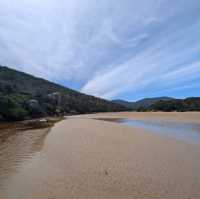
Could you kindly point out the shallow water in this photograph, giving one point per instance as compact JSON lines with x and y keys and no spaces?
{"x":188,"y":132}
{"x":17,"y":147}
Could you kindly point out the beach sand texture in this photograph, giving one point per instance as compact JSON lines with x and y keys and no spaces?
{"x":91,"y":159}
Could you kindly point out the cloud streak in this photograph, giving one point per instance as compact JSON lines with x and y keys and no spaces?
{"x":109,"y":49}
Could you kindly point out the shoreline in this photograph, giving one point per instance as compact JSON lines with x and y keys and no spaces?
{"x":193,"y":117}
{"x":24,"y":125}
{"x":49,"y":121}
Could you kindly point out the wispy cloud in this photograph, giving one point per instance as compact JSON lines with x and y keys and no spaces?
{"x":108,"y":48}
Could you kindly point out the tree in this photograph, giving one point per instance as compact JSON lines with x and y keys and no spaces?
{"x":10,"y":109}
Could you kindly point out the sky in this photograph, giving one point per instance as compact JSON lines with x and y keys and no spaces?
{"x":124,"y":49}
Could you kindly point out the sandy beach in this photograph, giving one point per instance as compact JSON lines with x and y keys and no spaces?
{"x":85,"y":158}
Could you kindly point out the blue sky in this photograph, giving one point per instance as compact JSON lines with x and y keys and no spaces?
{"x":126,"y":49}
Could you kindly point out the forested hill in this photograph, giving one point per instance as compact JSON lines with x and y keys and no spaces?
{"x":165,"y":104}
{"x":24,"y":96}
{"x":181,"y":105}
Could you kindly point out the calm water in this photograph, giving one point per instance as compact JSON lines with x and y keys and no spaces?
{"x":188,"y":132}
{"x":17,"y":147}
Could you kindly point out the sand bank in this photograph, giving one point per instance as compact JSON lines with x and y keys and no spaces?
{"x":85,"y":158}
{"x":192,"y":117}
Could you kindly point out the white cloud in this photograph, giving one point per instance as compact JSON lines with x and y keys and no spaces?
{"x":108,"y":47}
{"x":158,"y":66}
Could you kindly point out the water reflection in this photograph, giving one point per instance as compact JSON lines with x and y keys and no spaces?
{"x":188,"y":132}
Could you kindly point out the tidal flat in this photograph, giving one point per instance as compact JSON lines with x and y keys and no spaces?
{"x":93,"y":156}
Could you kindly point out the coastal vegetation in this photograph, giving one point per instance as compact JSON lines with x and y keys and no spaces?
{"x":180,"y":105}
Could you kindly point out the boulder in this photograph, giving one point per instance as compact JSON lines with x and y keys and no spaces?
{"x":32,"y":103}
{"x":56,"y":97}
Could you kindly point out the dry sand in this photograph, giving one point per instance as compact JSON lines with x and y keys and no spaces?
{"x":90,"y":159}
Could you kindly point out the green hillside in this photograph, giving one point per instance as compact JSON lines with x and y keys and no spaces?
{"x":24,"y":96}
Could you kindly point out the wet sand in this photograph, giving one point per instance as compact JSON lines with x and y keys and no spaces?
{"x":85,"y":158}
{"x":192,"y":117}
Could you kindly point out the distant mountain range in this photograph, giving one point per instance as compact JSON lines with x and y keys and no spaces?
{"x":24,"y":96}
{"x":162,"y":104}
{"x":146,"y":102}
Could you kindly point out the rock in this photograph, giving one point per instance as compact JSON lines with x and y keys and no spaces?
{"x":106,"y":172}
{"x":56,"y":97}
{"x":43,"y":120}
{"x":32,"y":103}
